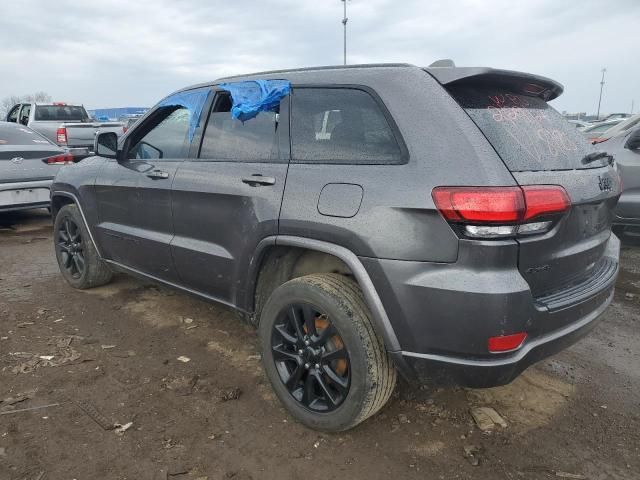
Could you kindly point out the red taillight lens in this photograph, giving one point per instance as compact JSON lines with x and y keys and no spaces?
{"x":480,"y":205}
{"x":544,"y":200}
{"x":492,"y":212}
{"x":64,"y":159}
{"x":61,"y":135}
{"x":506,"y":343}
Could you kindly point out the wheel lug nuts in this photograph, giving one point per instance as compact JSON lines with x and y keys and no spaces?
{"x":317,"y":366}
{"x":307,"y":342}
{"x":306,"y":365}
{"x":300,"y":352}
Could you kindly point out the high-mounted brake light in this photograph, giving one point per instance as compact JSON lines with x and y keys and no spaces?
{"x":506,"y":343}
{"x":496,"y":212}
{"x":61,"y":135}
{"x":63,"y":159}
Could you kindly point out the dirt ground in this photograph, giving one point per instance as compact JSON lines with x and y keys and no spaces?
{"x":112,"y":355}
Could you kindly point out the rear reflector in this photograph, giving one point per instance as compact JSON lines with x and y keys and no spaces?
{"x":492,"y":212}
{"x":64,"y":159}
{"x":506,"y":343}
{"x":61,"y":135}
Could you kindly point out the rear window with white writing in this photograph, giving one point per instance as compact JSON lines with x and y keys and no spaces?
{"x":526,"y":132}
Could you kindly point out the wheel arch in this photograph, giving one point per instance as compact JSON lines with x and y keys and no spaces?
{"x":278,"y":259}
{"x":61,"y":198}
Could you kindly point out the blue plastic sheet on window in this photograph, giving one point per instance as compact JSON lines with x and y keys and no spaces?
{"x":192,"y":100}
{"x":254,"y":96}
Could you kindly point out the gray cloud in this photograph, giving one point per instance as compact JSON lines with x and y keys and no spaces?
{"x":133,"y":52}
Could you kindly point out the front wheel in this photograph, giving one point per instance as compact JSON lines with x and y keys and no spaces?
{"x":77,"y":257}
{"x":321,"y":353}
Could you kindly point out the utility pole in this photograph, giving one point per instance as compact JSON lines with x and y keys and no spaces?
{"x":604,"y":70}
{"x":344,"y":23}
{"x":632,"y":105}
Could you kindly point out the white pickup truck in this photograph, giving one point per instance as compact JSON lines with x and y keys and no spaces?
{"x":65,"y":124}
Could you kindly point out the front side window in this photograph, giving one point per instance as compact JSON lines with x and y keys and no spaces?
{"x":168,"y":139}
{"x":13,"y":114}
{"x":340,"y":125}
{"x":228,"y":139}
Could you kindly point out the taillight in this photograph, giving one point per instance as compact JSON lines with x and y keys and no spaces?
{"x":506,"y":343}
{"x":61,"y":135}
{"x":64,"y":159}
{"x":497,"y":212}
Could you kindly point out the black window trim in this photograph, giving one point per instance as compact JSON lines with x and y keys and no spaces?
{"x":404,"y":151}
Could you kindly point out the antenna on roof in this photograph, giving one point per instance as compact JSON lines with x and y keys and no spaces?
{"x":445,"y":62}
{"x":344,"y":23}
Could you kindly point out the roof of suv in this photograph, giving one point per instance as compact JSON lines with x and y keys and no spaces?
{"x":443,"y":71}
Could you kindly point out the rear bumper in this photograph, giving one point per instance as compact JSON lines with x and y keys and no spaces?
{"x":444,"y":314}
{"x":483,"y":373}
{"x":24,"y":195}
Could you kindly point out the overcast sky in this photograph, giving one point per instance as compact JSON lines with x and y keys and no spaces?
{"x":112,"y":53}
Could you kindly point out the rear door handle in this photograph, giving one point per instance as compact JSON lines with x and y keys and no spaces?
{"x":257,"y":180}
{"x":158,"y":174}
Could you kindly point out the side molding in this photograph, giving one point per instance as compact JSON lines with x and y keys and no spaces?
{"x":380,"y":317}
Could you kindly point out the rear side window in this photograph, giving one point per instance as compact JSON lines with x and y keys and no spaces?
{"x":228,"y":139}
{"x":60,"y":113}
{"x":341,"y":125}
{"x":526,"y":132}
{"x":18,"y":135}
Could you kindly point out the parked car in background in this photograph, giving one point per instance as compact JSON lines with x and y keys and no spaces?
{"x":579,"y":123}
{"x":625,"y":147}
{"x":129,"y":120}
{"x":596,"y":130}
{"x":624,"y":126}
{"x":613,"y":116}
{"x":357,"y":247}
{"x":28,"y":163}
{"x":67,"y":125}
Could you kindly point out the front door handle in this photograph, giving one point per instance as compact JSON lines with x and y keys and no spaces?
{"x":158,"y":174}
{"x":257,"y":180}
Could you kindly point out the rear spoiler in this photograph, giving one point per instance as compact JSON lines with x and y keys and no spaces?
{"x":524,"y":83}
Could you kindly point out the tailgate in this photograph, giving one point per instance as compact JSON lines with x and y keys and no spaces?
{"x":83,"y":134}
{"x":539,"y":147}
{"x":573,"y":251}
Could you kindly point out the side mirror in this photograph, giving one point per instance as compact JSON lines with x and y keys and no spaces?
{"x":633,"y":142}
{"x":106,"y":145}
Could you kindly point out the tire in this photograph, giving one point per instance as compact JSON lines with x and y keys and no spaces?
{"x":70,"y":234}
{"x":370,"y":375}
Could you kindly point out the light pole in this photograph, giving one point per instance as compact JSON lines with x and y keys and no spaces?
{"x":344,"y":23}
{"x":604,"y":70}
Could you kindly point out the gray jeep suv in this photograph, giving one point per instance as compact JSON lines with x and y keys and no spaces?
{"x":445,"y":223}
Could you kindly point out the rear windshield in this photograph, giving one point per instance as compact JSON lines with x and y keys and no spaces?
{"x":60,"y":113}
{"x":526,"y":132}
{"x":18,"y":135}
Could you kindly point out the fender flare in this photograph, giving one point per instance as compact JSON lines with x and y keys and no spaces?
{"x":62,"y":193}
{"x":381,"y":321}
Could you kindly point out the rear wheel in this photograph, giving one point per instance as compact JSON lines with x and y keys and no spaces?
{"x":320,"y":351}
{"x":77,"y":257}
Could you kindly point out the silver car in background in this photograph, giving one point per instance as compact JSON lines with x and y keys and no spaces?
{"x":28,"y":163}
{"x":625,"y":148}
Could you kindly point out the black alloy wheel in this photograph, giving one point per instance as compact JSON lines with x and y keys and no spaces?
{"x":71,"y":247}
{"x":311,"y":358}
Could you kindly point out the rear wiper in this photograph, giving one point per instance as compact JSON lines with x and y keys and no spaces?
{"x":592,"y":157}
